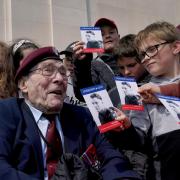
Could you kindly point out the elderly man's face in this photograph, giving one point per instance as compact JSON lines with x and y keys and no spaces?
{"x":45,"y":87}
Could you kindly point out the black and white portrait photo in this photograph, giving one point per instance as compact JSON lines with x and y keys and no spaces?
{"x":172,"y":104}
{"x":99,"y":104}
{"x":92,"y":38}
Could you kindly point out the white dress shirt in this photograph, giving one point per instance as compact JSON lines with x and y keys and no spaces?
{"x":43,"y":123}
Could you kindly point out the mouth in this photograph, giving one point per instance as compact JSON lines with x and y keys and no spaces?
{"x":56,"y":92}
{"x":150,"y":64}
{"x":108,"y":42}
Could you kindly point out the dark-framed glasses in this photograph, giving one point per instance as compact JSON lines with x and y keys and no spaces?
{"x":150,"y":51}
{"x":51,"y":71}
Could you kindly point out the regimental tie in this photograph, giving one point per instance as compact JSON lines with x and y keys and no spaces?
{"x":54,"y":146}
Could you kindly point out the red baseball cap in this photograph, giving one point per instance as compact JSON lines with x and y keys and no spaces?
{"x":105,"y":22}
{"x":34,"y":58}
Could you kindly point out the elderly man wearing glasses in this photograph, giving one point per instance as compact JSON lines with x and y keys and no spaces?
{"x":37,"y":130}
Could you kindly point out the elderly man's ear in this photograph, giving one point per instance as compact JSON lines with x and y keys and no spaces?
{"x":22,"y":84}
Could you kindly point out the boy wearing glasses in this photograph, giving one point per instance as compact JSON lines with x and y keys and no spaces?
{"x":159,"y":48}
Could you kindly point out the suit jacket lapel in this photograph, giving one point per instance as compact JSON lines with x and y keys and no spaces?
{"x":72,"y":135}
{"x":33,"y":135}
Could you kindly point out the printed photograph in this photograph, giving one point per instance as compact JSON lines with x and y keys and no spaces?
{"x":172,"y":104}
{"x":99,"y":104}
{"x":92,"y":38}
{"x":127,"y":88}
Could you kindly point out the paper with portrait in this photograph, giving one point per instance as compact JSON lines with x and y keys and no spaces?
{"x":101,"y":107}
{"x":127,"y":89}
{"x":92,"y":38}
{"x":172,"y":104}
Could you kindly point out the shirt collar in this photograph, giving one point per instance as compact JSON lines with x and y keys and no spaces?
{"x":36,"y":113}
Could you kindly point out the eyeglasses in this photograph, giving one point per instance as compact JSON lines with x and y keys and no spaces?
{"x":51,"y":71}
{"x":150,"y":51}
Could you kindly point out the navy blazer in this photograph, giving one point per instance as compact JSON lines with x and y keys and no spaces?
{"x":20,"y":145}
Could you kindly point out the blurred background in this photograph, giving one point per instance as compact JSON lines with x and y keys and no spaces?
{"x":57,"y":22}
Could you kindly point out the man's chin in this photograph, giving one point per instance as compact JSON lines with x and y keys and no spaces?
{"x":55,"y":106}
{"x":108,"y":48}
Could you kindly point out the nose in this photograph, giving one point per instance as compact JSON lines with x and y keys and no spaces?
{"x":127,"y":72}
{"x":106,"y":35}
{"x":146,"y":58}
{"x":58,"y":77}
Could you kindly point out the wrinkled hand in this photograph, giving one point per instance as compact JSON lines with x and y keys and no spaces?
{"x":147,"y":92}
{"x":126,"y":123}
{"x":78,"y":51}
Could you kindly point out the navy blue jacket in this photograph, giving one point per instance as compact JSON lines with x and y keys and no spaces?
{"x":20,"y":145}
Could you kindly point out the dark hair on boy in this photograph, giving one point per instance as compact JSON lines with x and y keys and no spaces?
{"x":126,"y":47}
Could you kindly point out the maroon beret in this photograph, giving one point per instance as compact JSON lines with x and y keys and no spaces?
{"x":105,"y":22}
{"x":34,"y":58}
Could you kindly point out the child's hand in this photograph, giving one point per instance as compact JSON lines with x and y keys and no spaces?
{"x":126,"y":123}
{"x":78,"y":51}
{"x":147,"y":92}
